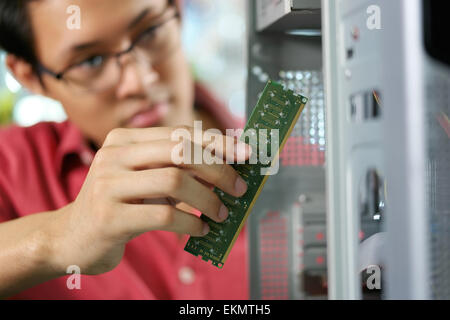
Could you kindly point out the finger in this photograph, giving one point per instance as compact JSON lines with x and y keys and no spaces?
{"x":158,"y":154}
{"x":169,"y":182}
{"x":138,"y":219}
{"x":225,"y":147}
{"x":124,"y":136}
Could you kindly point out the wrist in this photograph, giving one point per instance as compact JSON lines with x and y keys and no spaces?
{"x":27,"y":242}
{"x":50,"y":247}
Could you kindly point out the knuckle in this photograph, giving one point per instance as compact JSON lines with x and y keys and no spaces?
{"x":196,"y":228}
{"x":166,"y":217}
{"x":185,"y":127}
{"x":102,"y":156}
{"x":177,"y":152}
{"x":183,"y":130}
{"x":173,"y":144}
{"x":107,"y":155}
{"x":226,"y":175}
{"x":223,"y":171}
{"x":217,"y":204}
{"x":114,"y":136}
{"x":175,"y":179}
{"x":212,"y":205}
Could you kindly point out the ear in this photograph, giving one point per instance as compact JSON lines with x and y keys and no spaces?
{"x":24,"y":73}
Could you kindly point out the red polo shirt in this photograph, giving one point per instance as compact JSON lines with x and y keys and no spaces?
{"x":43,"y":167}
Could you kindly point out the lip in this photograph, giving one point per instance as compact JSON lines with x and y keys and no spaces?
{"x":148,"y":117}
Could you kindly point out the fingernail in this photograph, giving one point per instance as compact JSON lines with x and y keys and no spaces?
{"x":223,"y":213}
{"x":240,"y":186}
{"x":206,"y":229}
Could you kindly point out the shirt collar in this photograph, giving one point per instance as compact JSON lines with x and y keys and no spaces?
{"x":72,"y":142}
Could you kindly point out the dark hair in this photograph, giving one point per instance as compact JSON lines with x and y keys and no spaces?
{"x":16,"y":36}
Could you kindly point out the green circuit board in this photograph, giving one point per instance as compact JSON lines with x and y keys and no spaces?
{"x":274,"y":117}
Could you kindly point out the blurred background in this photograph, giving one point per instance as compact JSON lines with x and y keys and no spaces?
{"x":214,"y":38}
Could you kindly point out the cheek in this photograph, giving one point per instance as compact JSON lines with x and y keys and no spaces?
{"x":92,"y":114}
{"x":81,"y":106}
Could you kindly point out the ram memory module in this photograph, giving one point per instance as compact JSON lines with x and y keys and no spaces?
{"x":269,"y":127}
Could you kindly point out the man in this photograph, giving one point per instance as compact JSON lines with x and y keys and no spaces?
{"x":73,"y":194}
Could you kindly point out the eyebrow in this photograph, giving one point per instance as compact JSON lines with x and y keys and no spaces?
{"x":132,"y":24}
{"x":83,"y":46}
{"x":139,"y":18}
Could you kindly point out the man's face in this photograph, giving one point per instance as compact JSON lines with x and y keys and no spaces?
{"x":158,"y":93}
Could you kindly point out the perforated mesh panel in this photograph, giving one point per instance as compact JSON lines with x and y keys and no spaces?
{"x":274,"y":256}
{"x":306,"y":146}
{"x":280,"y":233}
{"x":299,"y":152}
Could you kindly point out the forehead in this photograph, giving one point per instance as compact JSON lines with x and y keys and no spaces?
{"x":51,"y":21}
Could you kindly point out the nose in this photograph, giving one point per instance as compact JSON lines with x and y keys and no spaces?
{"x":137,"y":76}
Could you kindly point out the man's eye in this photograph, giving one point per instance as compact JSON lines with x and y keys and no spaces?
{"x":92,"y":62}
{"x":149,"y":34}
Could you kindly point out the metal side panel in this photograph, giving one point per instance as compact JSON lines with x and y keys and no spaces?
{"x":284,"y":210}
{"x":405,"y":134}
{"x":354,"y":140}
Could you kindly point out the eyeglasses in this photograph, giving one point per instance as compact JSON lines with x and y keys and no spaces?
{"x":103,"y":72}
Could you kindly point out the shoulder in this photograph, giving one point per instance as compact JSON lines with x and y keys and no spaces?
{"x":11,"y":134}
{"x":22,"y":152}
{"x":16,"y":141}
{"x":21,"y":146}
{"x":42,"y":128}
